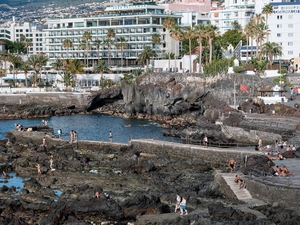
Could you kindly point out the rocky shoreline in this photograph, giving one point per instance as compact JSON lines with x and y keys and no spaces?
{"x":138,"y":184}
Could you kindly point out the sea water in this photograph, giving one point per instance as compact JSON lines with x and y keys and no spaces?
{"x":95,"y":127}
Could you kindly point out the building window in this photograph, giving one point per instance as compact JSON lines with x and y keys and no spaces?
{"x":278,"y":35}
{"x":280,"y":43}
{"x":290,"y":43}
{"x":279,"y":17}
{"x":290,"y":17}
{"x":290,"y":34}
{"x":290,"y":52}
{"x":236,"y":14}
{"x":279,"y":25}
{"x":290,"y":26}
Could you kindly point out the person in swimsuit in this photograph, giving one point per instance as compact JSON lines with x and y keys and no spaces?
{"x":178,"y":200}
{"x":232,"y":165}
{"x":183,"y":207}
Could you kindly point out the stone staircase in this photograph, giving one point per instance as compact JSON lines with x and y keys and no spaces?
{"x":242,"y":194}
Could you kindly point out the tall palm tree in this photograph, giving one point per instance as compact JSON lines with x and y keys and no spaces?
{"x":58,"y":64}
{"x":155,"y":40}
{"x":37,"y":62}
{"x":200,"y":32}
{"x":271,"y":49}
{"x":98,"y":43}
{"x":267,"y":10}
{"x":67,"y":44}
{"x":16,"y":62}
{"x":121,"y":44}
{"x":177,"y":35}
{"x":73,"y":67}
{"x":248,"y":32}
{"x":168,"y":23}
{"x":86,"y":37}
{"x":189,"y":34}
{"x":101,"y":68}
{"x":145,"y":56}
{"x":4,"y":56}
{"x":26,"y":68}
{"x":110,"y":35}
{"x":27,"y":44}
{"x":211,"y":32}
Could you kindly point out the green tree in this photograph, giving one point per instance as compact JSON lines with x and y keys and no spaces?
{"x":249,"y":32}
{"x":233,"y":37}
{"x":156,"y":41}
{"x":86,"y":37}
{"x":236,"y":26}
{"x":177,"y":35}
{"x":4,"y":56}
{"x":110,"y":35}
{"x":14,"y":46}
{"x":37,"y":62}
{"x":101,"y":68}
{"x":121,"y":44}
{"x":200,"y":32}
{"x":267,"y":10}
{"x":145,"y":56}
{"x":168,"y":23}
{"x":271,"y":49}
{"x":58,"y":65}
{"x":16,"y":62}
{"x":27,"y":44}
{"x":189,"y":33}
{"x":26,"y":68}
{"x":67,"y":44}
{"x":98,"y":43}
{"x":211,"y":32}
{"x":73,"y":67}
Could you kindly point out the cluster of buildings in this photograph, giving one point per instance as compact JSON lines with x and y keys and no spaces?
{"x":137,"y":22}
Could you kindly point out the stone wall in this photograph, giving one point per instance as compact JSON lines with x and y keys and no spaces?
{"x":61,"y":98}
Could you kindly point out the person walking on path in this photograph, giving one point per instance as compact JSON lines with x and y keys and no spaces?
{"x":231,"y":164}
{"x":178,"y":201}
{"x":183,"y":206}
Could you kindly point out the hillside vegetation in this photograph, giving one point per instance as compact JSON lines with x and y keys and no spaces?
{"x":46,"y":3}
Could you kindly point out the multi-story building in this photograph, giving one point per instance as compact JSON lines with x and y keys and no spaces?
{"x":240,"y":11}
{"x":136,"y":23}
{"x":284,"y":26}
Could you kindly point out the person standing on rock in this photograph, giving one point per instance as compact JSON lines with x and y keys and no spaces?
{"x":178,"y":200}
{"x":232,"y":164}
{"x":44,"y":142}
{"x":38,"y":166}
{"x":260,"y":144}
{"x":205,"y":141}
{"x":110,"y":136}
{"x":59,"y":133}
{"x":71,"y":136}
{"x":183,"y":206}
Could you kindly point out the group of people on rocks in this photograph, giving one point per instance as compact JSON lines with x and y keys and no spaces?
{"x":278,"y":146}
{"x":240,"y":182}
{"x":278,"y":157}
{"x":181,"y":204}
{"x":38,"y":166}
{"x":45,"y":122}
{"x":282,"y":171}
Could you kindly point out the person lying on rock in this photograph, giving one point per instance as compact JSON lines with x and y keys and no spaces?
{"x":236,"y":179}
{"x":279,"y":157}
{"x":242,"y":184}
{"x":285,"y":172}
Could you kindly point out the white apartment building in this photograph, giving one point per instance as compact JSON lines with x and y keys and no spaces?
{"x":234,"y":10}
{"x":284,"y":25}
{"x":190,"y":18}
{"x":136,"y":23}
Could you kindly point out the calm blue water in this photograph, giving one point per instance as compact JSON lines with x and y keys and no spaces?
{"x":95,"y":127}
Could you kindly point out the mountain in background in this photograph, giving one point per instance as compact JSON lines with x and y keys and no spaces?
{"x":46,"y":3}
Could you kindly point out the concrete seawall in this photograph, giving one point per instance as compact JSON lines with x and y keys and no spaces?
{"x":61,"y":98}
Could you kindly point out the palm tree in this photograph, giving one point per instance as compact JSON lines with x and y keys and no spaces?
{"x":267,"y":10}
{"x":200,"y":32}
{"x":249,"y":34}
{"x":190,"y":33}
{"x":146,"y":55}
{"x":168,"y":23}
{"x":27,"y":44}
{"x":110,"y":35}
{"x":98,"y":43}
{"x":16,"y":62}
{"x":58,"y":64}
{"x":155,"y":40}
{"x":67,"y":44}
{"x":73,"y":67}
{"x":101,"y":68}
{"x":121,"y":43}
{"x":177,"y":35}
{"x":211,"y":32}
{"x":4,"y":56}
{"x":271,"y":49}
{"x":37,"y":62}
{"x":236,"y":25}
{"x":87,"y":36}
{"x":26,"y":68}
